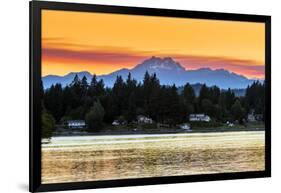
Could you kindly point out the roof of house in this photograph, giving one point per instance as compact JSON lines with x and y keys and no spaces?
{"x":75,"y":121}
{"x":197,"y":115}
{"x":142,"y":116}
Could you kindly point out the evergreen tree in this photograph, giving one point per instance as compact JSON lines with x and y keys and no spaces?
{"x":132,"y":108}
{"x":229,"y":99}
{"x":96,"y":88}
{"x":175,"y":108}
{"x":255,"y":97}
{"x":151,"y":91}
{"x":53,"y":101}
{"x":188,"y":93}
{"x":76,"y":81}
{"x":67,"y":100}
{"x":77,"y":92}
{"x":208,"y":107}
{"x":94,"y":81}
{"x":225,"y":102}
{"x":214,"y":94}
{"x":84,"y":84}
{"x":118,"y":95}
{"x":169,"y":108}
{"x":108,"y":105}
{"x":131,"y":84}
{"x":100,"y":90}
{"x":188,"y":99}
{"x":204,"y":93}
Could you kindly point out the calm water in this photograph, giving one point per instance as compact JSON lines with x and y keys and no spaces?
{"x":89,"y":158}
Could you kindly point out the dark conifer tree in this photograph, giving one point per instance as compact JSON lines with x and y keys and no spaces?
{"x":118,"y":94}
{"x":188,"y":99}
{"x":96,"y":88}
{"x":53,"y":101}
{"x":84,"y":83}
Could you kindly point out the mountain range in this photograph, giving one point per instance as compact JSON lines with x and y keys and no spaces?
{"x":167,"y":70}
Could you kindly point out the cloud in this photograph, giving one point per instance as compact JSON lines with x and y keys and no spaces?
{"x":128,"y":58}
{"x":88,"y":56}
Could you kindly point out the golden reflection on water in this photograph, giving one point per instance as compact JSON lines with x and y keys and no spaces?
{"x":158,"y":156}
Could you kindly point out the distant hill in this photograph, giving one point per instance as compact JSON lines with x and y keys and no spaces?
{"x":64,"y":80}
{"x":167,"y":70}
{"x":197,"y":88}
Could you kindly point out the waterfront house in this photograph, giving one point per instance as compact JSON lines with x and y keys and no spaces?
{"x":251,"y":117}
{"x":184,"y":126}
{"x":120,"y":121}
{"x":144,"y":119}
{"x":254,"y":117}
{"x":115,"y":123}
{"x":76,"y":124}
{"x":229,"y":124}
{"x":199,"y":117}
{"x":259,"y":117}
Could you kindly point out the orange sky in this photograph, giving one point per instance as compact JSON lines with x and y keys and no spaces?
{"x":102,"y":43}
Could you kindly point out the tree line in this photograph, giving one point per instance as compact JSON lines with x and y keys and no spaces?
{"x":100,"y":105}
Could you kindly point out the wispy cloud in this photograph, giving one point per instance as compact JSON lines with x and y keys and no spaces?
{"x":56,"y":51}
{"x":88,"y":56}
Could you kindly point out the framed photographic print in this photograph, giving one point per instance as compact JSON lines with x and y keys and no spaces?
{"x":125,"y":96}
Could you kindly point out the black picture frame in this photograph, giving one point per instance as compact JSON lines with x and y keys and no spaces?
{"x":35,"y":103}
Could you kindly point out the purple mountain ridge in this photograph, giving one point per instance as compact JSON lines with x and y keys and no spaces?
{"x":167,"y":70}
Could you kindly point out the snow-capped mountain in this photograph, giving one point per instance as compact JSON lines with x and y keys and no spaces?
{"x":167,"y":70}
{"x":155,"y":64}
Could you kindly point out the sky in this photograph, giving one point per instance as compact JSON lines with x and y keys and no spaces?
{"x":103,"y":43}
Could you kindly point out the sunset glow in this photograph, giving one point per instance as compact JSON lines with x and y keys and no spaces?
{"x":103,"y":43}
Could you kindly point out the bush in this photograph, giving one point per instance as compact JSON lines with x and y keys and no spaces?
{"x":148,"y":126}
{"x":205,"y":124}
{"x":94,"y":118}
{"x":48,"y":125}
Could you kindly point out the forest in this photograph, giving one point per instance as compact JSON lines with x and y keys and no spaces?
{"x":100,"y":106}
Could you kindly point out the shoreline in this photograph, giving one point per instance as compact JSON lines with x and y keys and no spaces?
{"x":155,"y":132}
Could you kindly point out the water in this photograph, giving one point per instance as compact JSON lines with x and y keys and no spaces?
{"x":90,"y":158}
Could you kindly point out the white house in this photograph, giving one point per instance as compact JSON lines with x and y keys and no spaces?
{"x":259,"y":117}
{"x":115,"y":123}
{"x":144,"y":119}
{"x":76,"y":124}
{"x":254,"y":117}
{"x":199,"y":117}
{"x":251,"y":117}
{"x":185,"y":126}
